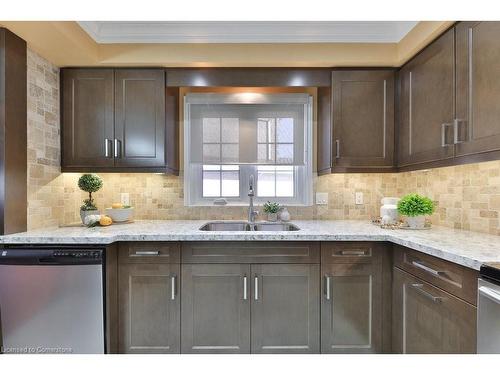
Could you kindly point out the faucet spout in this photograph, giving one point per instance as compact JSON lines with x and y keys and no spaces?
{"x":252,"y":213}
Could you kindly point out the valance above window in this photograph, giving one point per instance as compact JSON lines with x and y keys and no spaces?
{"x":247,"y":128}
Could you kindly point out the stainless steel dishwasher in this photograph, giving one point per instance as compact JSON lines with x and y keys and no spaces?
{"x":52,"y":300}
{"x":488,"y":310}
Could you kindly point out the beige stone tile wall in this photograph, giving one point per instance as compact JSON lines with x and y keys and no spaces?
{"x":157,"y":196}
{"x":45,"y":183}
{"x":467,"y":196}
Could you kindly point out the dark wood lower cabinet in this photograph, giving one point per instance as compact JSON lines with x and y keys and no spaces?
{"x":342,"y":305}
{"x":351,"y":308}
{"x":427,"y":320}
{"x":215,"y":308}
{"x":149,"y":308}
{"x":285,"y":308}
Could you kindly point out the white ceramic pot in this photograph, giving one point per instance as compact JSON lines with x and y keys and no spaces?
{"x":84,"y":214}
{"x":120,"y":214}
{"x":272,"y":216}
{"x":416,"y":222}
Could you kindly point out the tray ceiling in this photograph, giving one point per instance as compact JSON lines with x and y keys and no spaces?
{"x":247,"y":31}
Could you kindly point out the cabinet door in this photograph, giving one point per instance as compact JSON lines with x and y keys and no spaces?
{"x":87,"y":118}
{"x":285,"y":308}
{"x":427,"y":104}
{"x":149,"y":308}
{"x":215,"y":308}
{"x":351,"y":308}
{"x":140,"y":118}
{"x":428,"y":320}
{"x":363,"y":118}
{"x":478,"y":87}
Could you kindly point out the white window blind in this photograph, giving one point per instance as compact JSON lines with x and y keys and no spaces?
{"x":237,"y":129}
{"x":229,"y":138}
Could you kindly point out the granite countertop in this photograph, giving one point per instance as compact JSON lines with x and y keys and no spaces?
{"x":466,"y":248}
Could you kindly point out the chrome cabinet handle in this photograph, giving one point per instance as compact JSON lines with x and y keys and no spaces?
{"x":444,"y":143}
{"x":419,"y":289}
{"x":256,"y":288}
{"x":106,"y":148}
{"x":490,"y":294}
{"x":456,"y":123}
{"x":145,"y":253}
{"x":117,"y":147}
{"x":245,"y":287}
{"x":337,"y":148}
{"x":353,"y":252}
{"x":430,"y":270}
{"x":173,"y":282}
{"x":327,"y":287}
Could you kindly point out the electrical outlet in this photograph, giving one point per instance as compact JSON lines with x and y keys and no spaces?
{"x":322,"y":199}
{"x":125,"y":199}
{"x":359,"y":197}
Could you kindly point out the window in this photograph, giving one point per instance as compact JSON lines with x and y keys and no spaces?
{"x":229,"y":138}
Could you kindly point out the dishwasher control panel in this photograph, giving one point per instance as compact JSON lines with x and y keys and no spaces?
{"x":92,"y":254}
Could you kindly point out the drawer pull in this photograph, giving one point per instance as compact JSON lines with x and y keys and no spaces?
{"x":419,"y":289}
{"x":427,"y":269}
{"x":245,"y":287}
{"x":327,"y":287}
{"x":147,"y":253}
{"x":256,"y":288}
{"x":353,"y":252}
{"x":173,"y":282}
{"x":490,"y":294}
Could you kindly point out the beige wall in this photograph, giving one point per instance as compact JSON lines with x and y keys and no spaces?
{"x":64,"y":43}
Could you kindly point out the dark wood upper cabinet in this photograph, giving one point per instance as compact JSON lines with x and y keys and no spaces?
{"x":478,"y":87}
{"x":363,"y":118}
{"x":356,"y":122}
{"x":139,"y":118}
{"x":115,"y":120}
{"x":427,"y":105}
{"x":87,"y":117}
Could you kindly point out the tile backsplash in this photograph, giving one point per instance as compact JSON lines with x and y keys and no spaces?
{"x":467,"y":197}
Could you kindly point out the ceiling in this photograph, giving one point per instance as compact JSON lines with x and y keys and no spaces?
{"x":105,"y":32}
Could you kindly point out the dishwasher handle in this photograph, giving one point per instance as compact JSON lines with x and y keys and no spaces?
{"x":489,"y":293}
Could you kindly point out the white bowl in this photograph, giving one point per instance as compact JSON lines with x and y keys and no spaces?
{"x":120,"y":214}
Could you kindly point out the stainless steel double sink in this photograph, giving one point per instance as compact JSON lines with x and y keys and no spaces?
{"x":245,"y":226}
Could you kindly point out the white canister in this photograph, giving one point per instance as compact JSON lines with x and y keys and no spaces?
{"x":389,"y":210}
{"x":284,"y":215}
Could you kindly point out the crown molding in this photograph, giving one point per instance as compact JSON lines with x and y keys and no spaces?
{"x":106,"y":32}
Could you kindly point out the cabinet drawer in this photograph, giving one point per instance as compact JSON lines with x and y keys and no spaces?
{"x":350,"y":252}
{"x":428,"y":320}
{"x":453,"y":278}
{"x":250,"y":252}
{"x":149,"y":252}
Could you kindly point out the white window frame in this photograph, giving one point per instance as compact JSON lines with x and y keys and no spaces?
{"x":303,"y":175}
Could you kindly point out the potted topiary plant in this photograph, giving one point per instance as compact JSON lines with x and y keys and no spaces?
{"x":89,"y":183}
{"x":415,"y":207}
{"x":271,"y":209}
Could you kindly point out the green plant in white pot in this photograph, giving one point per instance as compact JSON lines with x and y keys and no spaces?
{"x":89,"y":183}
{"x":271,"y":209}
{"x":415,"y":207}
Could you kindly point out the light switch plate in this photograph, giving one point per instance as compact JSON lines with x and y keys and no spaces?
{"x":359,"y":199}
{"x":125,"y":199}
{"x":322,"y":199}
